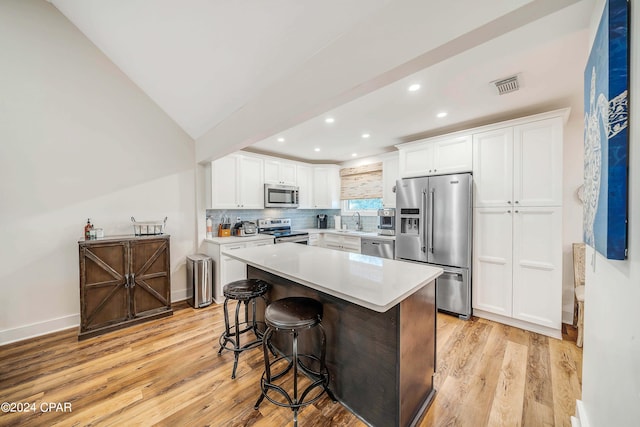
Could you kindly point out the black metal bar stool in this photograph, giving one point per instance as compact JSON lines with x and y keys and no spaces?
{"x":293,"y":315}
{"x":244,"y":292}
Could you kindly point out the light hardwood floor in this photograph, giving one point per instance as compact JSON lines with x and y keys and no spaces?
{"x":167,"y":372}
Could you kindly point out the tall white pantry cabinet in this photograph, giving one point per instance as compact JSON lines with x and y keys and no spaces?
{"x":517,"y":267}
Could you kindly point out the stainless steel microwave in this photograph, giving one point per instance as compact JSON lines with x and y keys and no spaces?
{"x":280,"y":196}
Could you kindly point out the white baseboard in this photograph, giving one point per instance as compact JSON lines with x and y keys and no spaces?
{"x":550,"y":332}
{"x":8,"y":336}
{"x":580,"y":420}
{"x":179,"y":295}
{"x":33,"y":330}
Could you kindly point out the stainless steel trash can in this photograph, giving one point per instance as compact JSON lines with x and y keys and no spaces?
{"x":199,"y":278}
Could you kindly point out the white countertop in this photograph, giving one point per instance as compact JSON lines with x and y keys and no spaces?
{"x":236,"y":239}
{"x":371,"y":282}
{"x":364,"y":234}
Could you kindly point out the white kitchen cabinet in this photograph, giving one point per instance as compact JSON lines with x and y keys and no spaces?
{"x":390,"y":170}
{"x":315,"y":239}
{"x":519,"y":165}
{"x":436,"y":156}
{"x":226,"y":269}
{"x":237,"y":182}
{"x":326,"y":187}
{"x":492,"y":260}
{"x":280,"y":172}
{"x":537,"y":265}
{"x":517,"y":268}
{"x":341,"y":242}
{"x":304,"y":175}
{"x":517,"y":254}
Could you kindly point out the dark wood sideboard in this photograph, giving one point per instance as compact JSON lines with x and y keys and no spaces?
{"x":123,"y":280}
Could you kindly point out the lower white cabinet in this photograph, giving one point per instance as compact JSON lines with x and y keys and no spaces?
{"x":315,"y":239}
{"x":226,"y":269}
{"x":517,"y":272}
{"x":341,"y":242}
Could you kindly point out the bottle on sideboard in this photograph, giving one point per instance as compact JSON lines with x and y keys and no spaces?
{"x":87,"y":229}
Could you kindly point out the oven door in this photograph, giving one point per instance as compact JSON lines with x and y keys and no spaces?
{"x":303,"y":240}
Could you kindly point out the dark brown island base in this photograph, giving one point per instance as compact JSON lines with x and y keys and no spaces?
{"x":381,"y":362}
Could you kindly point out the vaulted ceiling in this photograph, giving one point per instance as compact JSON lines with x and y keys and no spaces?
{"x":266,"y":73}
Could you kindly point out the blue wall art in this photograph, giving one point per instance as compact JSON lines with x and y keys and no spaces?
{"x":606,"y":142}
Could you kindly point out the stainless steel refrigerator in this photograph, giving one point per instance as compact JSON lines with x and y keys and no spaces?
{"x":433,"y":223}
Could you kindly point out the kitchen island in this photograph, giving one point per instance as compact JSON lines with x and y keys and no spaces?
{"x":379,"y":316}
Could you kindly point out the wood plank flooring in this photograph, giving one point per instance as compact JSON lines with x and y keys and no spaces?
{"x":167,"y":372}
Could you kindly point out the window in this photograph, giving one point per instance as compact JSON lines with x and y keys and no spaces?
{"x":361,"y":189}
{"x":364,"y":204}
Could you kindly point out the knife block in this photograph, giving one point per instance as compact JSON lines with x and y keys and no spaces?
{"x":223,"y":232}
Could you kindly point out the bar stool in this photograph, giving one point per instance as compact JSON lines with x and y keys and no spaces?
{"x":243,"y":291}
{"x":292,"y":315}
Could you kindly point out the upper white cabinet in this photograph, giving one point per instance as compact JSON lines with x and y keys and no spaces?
{"x":436,"y":156}
{"x":519,"y":165}
{"x":280,"y":172}
{"x":326,"y":187}
{"x":237,"y":182}
{"x":304,"y":175}
{"x":390,"y":174}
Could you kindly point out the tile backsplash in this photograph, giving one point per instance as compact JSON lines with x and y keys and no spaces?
{"x":300,"y":218}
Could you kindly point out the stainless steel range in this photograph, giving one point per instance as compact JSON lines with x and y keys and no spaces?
{"x":280,"y":229}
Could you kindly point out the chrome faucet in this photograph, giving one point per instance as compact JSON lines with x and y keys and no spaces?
{"x":358,"y":221}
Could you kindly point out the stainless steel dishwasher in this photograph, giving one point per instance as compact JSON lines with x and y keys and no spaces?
{"x":383,"y":248}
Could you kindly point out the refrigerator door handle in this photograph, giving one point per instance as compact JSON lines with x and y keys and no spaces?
{"x":424,"y":222}
{"x":432,"y":220}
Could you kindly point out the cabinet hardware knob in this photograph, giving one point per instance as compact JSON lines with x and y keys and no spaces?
{"x":517,"y":201}
{"x":509,"y":201}
{"x":517,"y":211}
{"x":509,"y":211}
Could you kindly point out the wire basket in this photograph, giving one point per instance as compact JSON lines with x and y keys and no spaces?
{"x":148,"y":228}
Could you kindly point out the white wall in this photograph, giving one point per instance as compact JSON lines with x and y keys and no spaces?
{"x":572,"y":178}
{"x":611,"y":353}
{"x":78,"y":139}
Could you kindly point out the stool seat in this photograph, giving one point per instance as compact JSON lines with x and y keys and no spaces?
{"x":245,"y":289}
{"x":293,"y":313}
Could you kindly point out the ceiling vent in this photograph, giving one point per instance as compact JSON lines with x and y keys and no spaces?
{"x":504,"y":86}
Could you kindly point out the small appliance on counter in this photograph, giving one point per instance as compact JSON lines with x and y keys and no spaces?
{"x":245,"y":228}
{"x":322,"y":221}
{"x":387,"y":222}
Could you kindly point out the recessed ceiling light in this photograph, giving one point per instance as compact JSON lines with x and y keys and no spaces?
{"x":329,"y":120}
{"x":414,"y":87}
{"x":365,"y":135}
{"x":316,"y":149}
{"x":354,"y":155}
{"x":442,"y":114}
{"x":281,"y":139}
